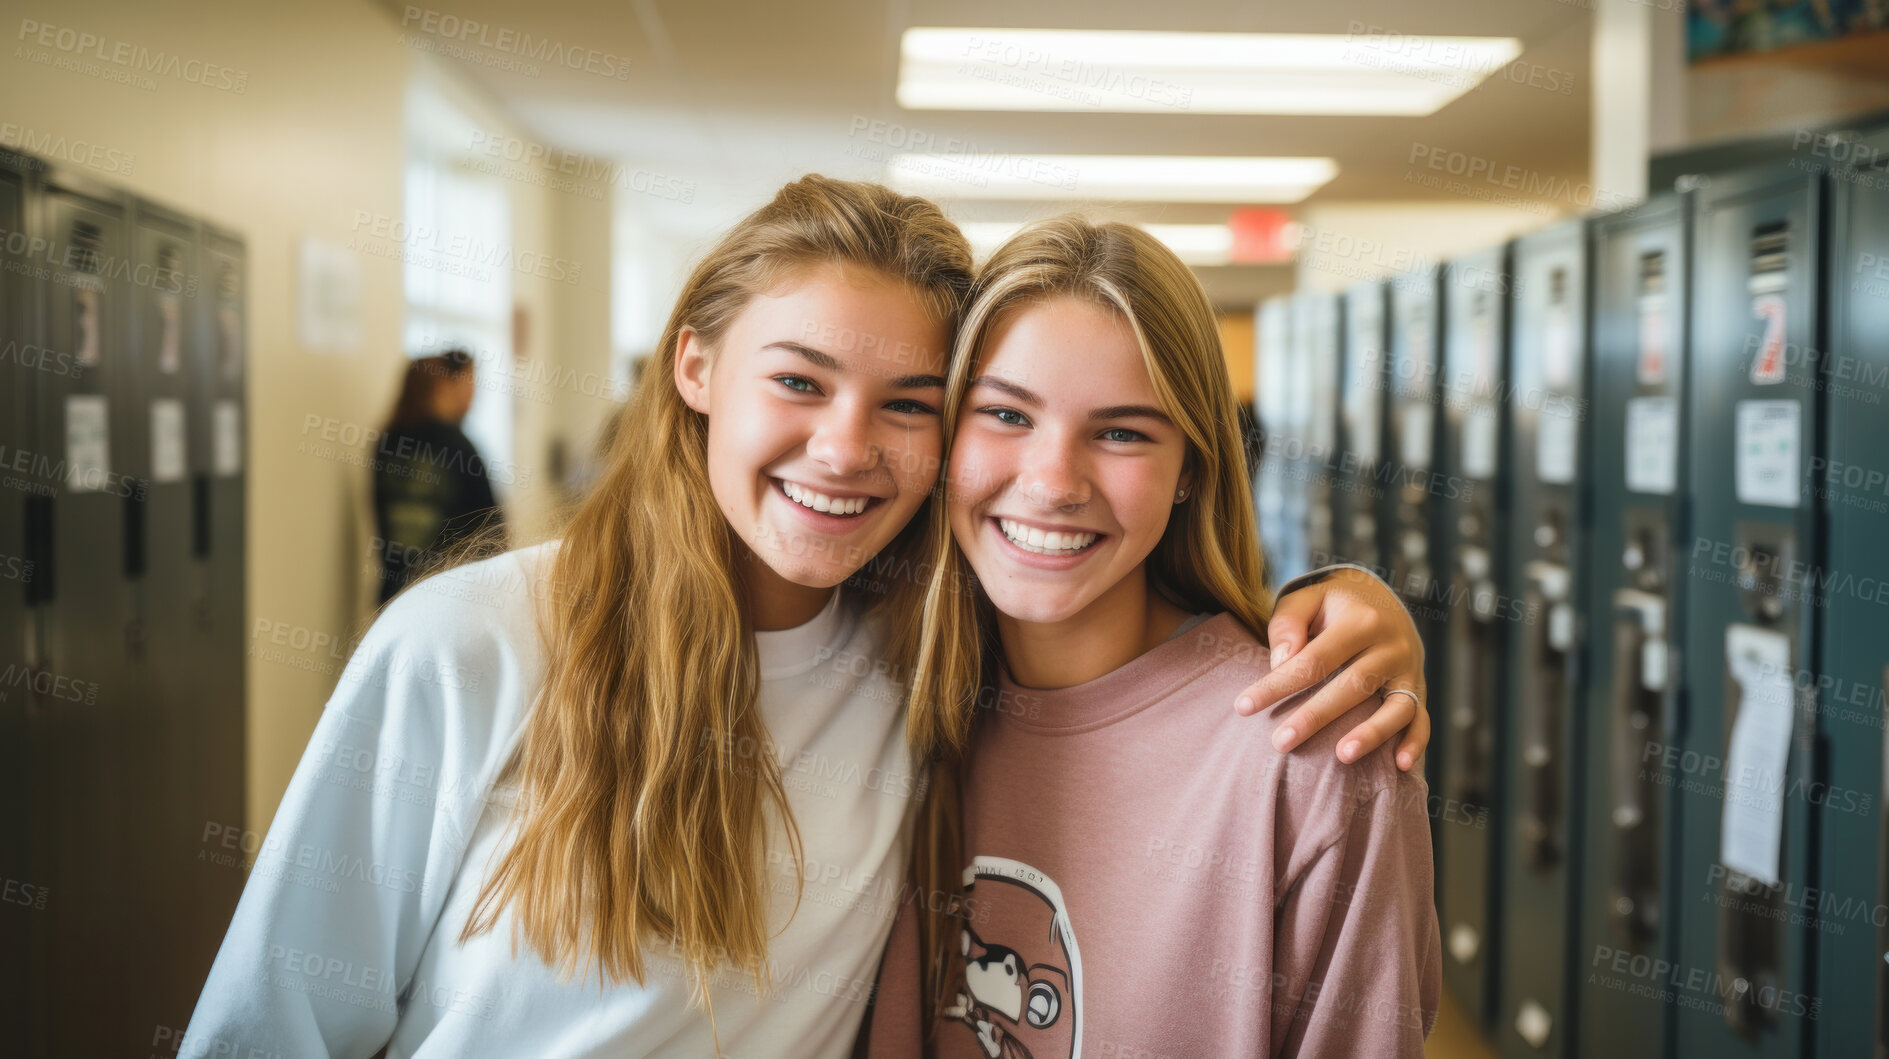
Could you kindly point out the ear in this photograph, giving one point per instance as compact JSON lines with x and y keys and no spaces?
{"x":692,"y":369}
{"x":1187,"y":478}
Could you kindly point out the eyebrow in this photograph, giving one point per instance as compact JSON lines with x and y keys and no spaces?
{"x":1119,"y":411}
{"x":919,"y":381}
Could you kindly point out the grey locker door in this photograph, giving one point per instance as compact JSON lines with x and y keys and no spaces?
{"x":170,"y":649}
{"x":1635,"y":597}
{"x":1272,"y":399}
{"x":1322,"y":354}
{"x":217,"y":720}
{"x":1853,"y":940}
{"x":1359,"y":499}
{"x":1417,"y":552}
{"x":1753,"y":415}
{"x":22,"y":356}
{"x":1541,"y":766}
{"x":85,"y":769}
{"x":1481,"y":612}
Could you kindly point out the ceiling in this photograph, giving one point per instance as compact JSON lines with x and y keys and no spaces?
{"x":739,"y":97}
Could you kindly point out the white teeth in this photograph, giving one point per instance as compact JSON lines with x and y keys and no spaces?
{"x":1031,"y":539}
{"x":832,"y":505}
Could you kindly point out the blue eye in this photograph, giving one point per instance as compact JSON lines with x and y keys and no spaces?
{"x":1123,"y":434}
{"x":1007,"y":416}
{"x":912,"y":408}
{"x":797,"y":383}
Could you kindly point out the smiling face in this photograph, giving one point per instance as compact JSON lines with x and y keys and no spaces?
{"x":823,"y":428}
{"x":1064,"y":468}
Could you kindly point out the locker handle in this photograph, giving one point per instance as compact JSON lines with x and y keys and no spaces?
{"x":200,"y":516}
{"x":1639,"y":680}
{"x":134,"y":534}
{"x":39,"y":549}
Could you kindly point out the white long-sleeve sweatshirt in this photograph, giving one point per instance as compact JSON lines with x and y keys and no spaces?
{"x":347,"y":936}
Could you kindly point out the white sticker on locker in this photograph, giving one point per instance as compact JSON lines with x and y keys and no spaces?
{"x":88,"y":443}
{"x":1752,"y":830}
{"x":167,"y":440}
{"x":1557,"y":347}
{"x":227,"y":439}
{"x":1766,"y":450}
{"x":1557,"y":444}
{"x":1415,"y":442}
{"x":1652,"y":444}
{"x":1479,"y":441}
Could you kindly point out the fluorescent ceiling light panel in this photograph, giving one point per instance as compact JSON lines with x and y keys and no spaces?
{"x":1194,"y":244}
{"x":1107,"y":71}
{"x":1114,"y":178}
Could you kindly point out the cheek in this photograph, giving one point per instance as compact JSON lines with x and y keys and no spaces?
{"x":976,"y":468}
{"x":914,"y":455}
{"x":1143,"y":499}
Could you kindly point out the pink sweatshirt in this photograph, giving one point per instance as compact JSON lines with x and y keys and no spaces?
{"x":1149,"y":878}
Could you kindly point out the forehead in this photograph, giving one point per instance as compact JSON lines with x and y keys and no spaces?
{"x":1066,"y":345}
{"x":858,"y":315}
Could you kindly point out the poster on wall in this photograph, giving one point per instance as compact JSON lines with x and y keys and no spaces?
{"x":1727,"y":27}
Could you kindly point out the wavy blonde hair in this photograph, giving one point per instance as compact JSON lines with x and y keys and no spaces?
{"x":638,"y":818}
{"x":1209,"y":559}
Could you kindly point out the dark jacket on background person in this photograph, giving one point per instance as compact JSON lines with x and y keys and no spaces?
{"x":431,"y":492}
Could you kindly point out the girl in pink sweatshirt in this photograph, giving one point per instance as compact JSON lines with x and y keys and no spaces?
{"x":1139,"y":873}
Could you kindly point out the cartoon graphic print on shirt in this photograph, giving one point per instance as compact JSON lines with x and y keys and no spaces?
{"x":1020,"y":982}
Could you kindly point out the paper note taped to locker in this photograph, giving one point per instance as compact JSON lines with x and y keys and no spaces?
{"x":1652,"y":444}
{"x":1766,"y":453}
{"x":1752,"y":830}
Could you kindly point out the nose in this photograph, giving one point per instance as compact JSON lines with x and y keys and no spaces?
{"x":1054,"y":476}
{"x":842,"y":440}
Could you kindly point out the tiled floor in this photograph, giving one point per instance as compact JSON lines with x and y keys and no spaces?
{"x":1455,"y":1037}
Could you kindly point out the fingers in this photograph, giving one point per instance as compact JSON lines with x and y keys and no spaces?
{"x":1416,"y":738}
{"x":1311,"y":665}
{"x":1359,"y":681}
{"x":1291,"y":624}
{"x":1397,"y":713}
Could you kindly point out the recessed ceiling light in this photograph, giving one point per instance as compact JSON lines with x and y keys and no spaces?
{"x":1371,"y":71}
{"x":1155,"y":178}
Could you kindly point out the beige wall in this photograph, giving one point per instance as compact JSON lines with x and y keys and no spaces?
{"x":315,"y":135}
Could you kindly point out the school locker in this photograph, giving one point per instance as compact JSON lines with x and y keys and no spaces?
{"x":21,"y":357}
{"x":1358,"y":500}
{"x":215,"y":720}
{"x":1281,"y":528}
{"x":86,"y":767}
{"x":1416,"y":551}
{"x":1319,"y":348}
{"x":1852,"y":941}
{"x":1634,"y":568}
{"x":1547,"y":409}
{"x":1481,"y":609}
{"x":1740,"y":982}
{"x":169,"y":647}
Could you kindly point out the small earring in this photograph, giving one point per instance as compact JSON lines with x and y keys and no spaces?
{"x":1180,"y":496}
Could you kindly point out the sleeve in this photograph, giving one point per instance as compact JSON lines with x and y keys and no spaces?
{"x":893,"y":1029}
{"x":344,"y":890}
{"x":1312,"y":577}
{"x":1357,"y":959}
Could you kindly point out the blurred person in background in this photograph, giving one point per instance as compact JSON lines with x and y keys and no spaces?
{"x":431,"y":491}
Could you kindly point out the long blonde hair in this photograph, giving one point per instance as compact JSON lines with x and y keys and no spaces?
{"x":1208,"y":559}
{"x":639,"y":818}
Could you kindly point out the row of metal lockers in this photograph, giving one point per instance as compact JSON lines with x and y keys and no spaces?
{"x":1629,"y":474}
{"x":121,"y":610}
